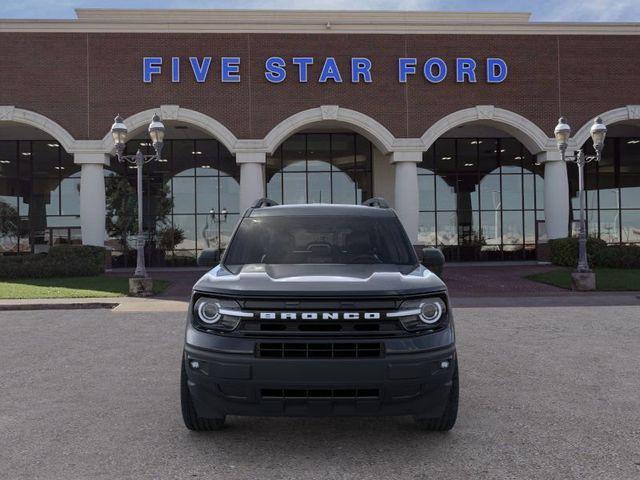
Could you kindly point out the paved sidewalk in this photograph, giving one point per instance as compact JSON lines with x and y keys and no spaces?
{"x":182,"y":279}
{"x":117,"y":304}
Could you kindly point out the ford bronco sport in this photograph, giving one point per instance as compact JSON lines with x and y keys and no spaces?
{"x":319,"y":310}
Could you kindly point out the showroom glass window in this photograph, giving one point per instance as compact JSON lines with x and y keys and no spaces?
{"x":321,"y":168}
{"x":612,"y":191}
{"x":480,"y":199}
{"x":39,"y":196}
{"x":202,"y":180}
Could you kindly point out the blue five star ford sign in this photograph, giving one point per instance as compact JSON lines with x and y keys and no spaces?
{"x":305,"y":69}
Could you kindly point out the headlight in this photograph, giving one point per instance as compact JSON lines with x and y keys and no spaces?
{"x":421,"y":314}
{"x":431,"y":311}
{"x":216,"y":314}
{"x":208,"y":310}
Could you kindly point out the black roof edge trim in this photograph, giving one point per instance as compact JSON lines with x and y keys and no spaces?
{"x":303,"y":295}
{"x":264,"y":202}
{"x":377,"y":202}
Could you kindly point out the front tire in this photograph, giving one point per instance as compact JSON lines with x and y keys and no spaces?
{"x":189,"y":415}
{"x":448,"y":418}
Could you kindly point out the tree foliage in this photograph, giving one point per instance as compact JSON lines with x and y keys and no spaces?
{"x":9,"y":221}
{"x":122,"y":209}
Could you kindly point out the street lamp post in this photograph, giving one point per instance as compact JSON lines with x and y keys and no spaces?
{"x":210,"y":231}
{"x":598,"y":133}
{"x":156,"y":132}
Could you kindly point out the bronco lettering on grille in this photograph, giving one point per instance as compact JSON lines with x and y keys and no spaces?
{"x":319,"y":316}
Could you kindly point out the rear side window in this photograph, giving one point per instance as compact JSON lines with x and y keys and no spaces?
{"x":313,"y":239}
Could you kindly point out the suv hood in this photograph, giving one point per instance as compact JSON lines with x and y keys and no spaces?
{"x":319,"y":280}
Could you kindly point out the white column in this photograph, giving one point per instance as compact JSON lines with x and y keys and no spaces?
{"x":92,"y":197}
{"x":251,"y":177}
{"x":556,"y":194}
{"x":406,"y":190}
{"x":383,"y":177}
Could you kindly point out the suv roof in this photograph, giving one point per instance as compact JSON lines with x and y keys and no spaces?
{"x":320,"y":209}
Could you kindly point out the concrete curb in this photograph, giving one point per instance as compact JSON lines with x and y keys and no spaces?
{"x":115,"y":304}
{"x":57,"y":306}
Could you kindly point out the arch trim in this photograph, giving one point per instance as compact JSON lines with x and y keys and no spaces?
{"x":377,"y":133}
{"x":531,"y":136}
{"x":10,"y":113}
{"x":616,"y":115}
{"x":177,"y":113}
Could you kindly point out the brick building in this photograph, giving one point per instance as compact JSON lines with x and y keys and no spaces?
{"x":449,"y":116}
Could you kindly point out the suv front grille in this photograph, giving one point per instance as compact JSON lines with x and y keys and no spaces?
{"x":293,"y":327}
{"x":319,"y":350}
{"x":361,"y":327}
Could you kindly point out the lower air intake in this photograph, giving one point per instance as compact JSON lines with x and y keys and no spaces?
{"x":306,"y":394}
{"x":319,"y":350}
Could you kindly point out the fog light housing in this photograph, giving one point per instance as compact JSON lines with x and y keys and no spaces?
{"x":194,"y":364}
{"x":444,"y":364}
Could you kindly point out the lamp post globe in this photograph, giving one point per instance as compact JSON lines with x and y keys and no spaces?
{"x":562,"y":133}
{"x":156,"y":132}
{"x":598,"y":134}
{"x":119,"y":133}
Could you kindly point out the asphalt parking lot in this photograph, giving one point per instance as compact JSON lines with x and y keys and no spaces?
{"x":549,"y":392}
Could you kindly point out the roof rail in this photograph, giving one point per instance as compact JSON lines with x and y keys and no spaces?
{"x":377,"y":202}
{"x":264,"y":202}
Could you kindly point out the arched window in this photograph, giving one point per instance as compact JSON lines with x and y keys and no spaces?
{"x":480,"y":198}
{"x":39,"y":196}
{"x":612,"y":188}
{"x":321,"y":168}
{"x":194,"y":189}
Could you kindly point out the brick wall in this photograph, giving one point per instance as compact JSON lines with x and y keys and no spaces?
{"x":82,"y":80}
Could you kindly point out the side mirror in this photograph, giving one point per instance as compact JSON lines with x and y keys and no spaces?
{"x":433,"y":259}
{"x":209,"y":258}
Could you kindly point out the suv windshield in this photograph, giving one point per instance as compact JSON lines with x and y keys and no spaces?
{"x":316,"y":239}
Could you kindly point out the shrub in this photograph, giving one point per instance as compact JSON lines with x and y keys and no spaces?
{"x":618,"y":256}
{"x":61,"y":261}
{"x":169,"y":237}
{"x":564,"y":251}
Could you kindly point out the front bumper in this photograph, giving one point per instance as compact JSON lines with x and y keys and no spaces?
{"x":407,"y":380}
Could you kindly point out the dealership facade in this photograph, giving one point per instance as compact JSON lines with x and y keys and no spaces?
{"x":449,"y":116}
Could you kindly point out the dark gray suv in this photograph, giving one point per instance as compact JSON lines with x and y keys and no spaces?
{"x":319,"y":310}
